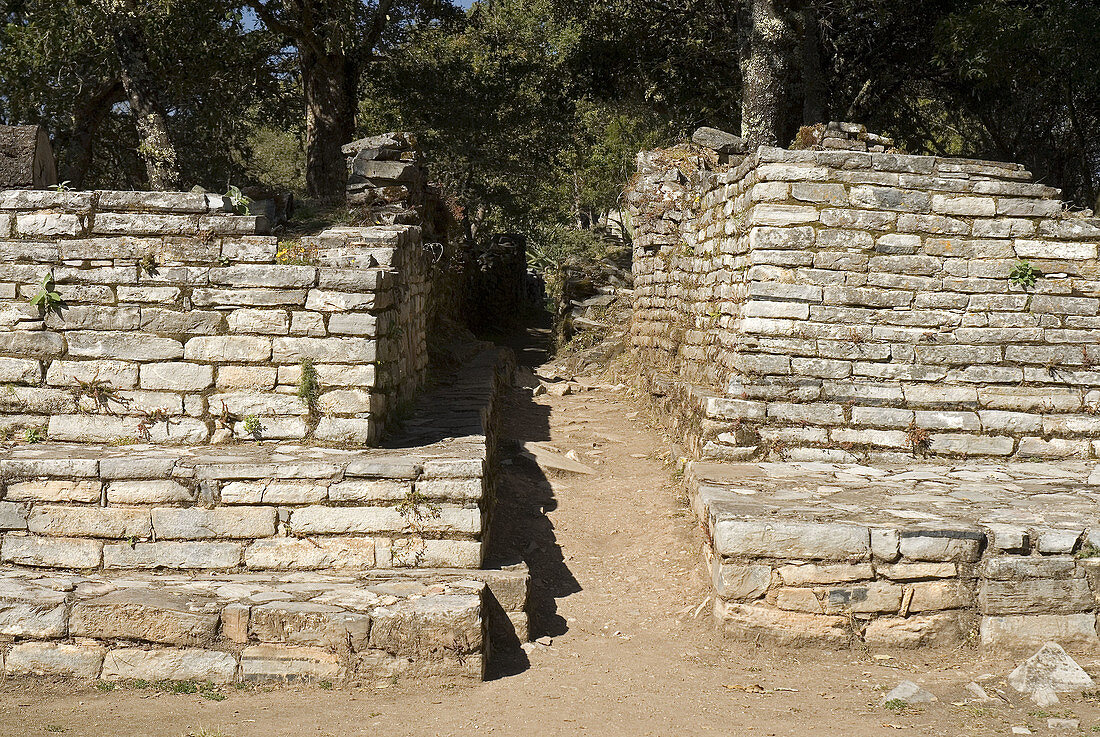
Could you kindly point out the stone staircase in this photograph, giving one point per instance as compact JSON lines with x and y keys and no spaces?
{"x":193,"y":481}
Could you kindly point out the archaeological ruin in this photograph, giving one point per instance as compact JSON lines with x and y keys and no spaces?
{"x":220,"y":457}
{"x":884,"y":368}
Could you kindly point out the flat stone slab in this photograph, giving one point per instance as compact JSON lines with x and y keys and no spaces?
{"x":1051,"y":507}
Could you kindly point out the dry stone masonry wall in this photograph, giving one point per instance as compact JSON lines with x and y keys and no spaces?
{"x":845,"y":303}
{"x":175,"y":322}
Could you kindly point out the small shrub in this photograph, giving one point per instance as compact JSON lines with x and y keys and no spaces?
{"x":1023,"y":275}
{"x":309,"y":386}
{"x":252,"y":426}
{"x":896,"y":705}
{"x":238,"y":200}
{"x":34,"y":435}
{"x":920,"y":440}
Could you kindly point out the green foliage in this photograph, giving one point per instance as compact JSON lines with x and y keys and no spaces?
{"x":238,"y":200}
{"x":309,"y":385}
{"x":896,"y":705}
{"x":252,"y":426}
{"x":47,"y":298}
{"x":1023,"y":274}
{"x":34,"y":435}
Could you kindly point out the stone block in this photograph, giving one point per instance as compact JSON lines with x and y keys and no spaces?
{"x":346,"y":430}
{"x":930,"y":630}
{"x":55,"y":659}
{"x":417,"y":553}
{"x":119,"y":374}
{"x":148,"y":491}
{"x":786,"y":540}
{"x":253,"y":378}
{"x":325,"y":350}
{"x":264,"y":492}
{"x":918,"y":571}
{"x":13,"y":516}
{"x":228,"y":349}
{"x":937,"y":595}
{"x":48,"y":225}
{"x":263,"y":322}
{"x":51,"y":552}
{"x":196,"y":523}
{"x":864,"y":598}
{"x":311,"y":624}
{"x":118,"y":523}
{"x":122,"y":346}
{"x":1028,"y":632}
{"x":289,"y":663}
{"x":87,"y":492}
{"x":373,"y":520}
{"x":289,"y":554}
{"x":753,"y":623}
{"x":809,"y":573}
{"x":28,"y":609}
{"x":153,"y":615}
{"x":176,"y":376}
{"x":430,"y":626}
{"x":173,"y":555}
{"x":942,"y":545}
{"x":169,"y":664}
{"x":369,"y":490}
{"x":1036,"y":596}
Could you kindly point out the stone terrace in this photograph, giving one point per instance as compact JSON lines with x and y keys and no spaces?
{"x":904,"y":556}
{"x":843,"y":304}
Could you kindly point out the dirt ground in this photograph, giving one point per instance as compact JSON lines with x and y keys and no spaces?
{"x":619,"y":597}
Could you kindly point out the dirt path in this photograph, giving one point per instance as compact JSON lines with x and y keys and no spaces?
{"x":616,"y":582}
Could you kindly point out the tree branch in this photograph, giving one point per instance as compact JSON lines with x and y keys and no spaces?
{"x":286,"y":28}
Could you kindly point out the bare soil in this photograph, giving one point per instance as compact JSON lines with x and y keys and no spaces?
{"x":619,"y":597}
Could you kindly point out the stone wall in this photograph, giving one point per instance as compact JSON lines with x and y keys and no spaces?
{"x":849,"y":304}
{"x":178,"y":323}
{"x":1000,"y":555}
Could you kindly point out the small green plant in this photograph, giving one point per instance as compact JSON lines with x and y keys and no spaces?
{"x":1023,"y":275}
{"x":148,"y":264}
{"x":252,"y":426}
{"x":326,"y":685}
{"x":309,"y":386}
{"x":415,"y":508}
{"x":238,"y":200}
{"x":105,"y":686}
{"x":47,"y":297}
{"x":65,"y":186}
{"x":1087,"y":551}
{"x":896,"y":705}
{"x":54,"y":728}
{"x":33,"y":435}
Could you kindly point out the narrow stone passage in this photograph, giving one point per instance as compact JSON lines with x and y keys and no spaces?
{"x":616,"y":582}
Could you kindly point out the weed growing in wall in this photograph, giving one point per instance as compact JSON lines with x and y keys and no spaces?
{"x":309,"y":385}
{"x":1023,"y":275}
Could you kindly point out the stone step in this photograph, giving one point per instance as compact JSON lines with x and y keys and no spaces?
{"x":1003,"y":555}
{"x":256,"y":507}
{"x":259,"y":627}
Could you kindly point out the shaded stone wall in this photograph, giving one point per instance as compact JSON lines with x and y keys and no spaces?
{"x":847,"y":304}
{"x":179,"y":324}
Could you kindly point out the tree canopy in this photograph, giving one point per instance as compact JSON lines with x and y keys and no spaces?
{"x":532,"y":110}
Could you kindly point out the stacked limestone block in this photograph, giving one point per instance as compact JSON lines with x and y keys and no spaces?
{"x":177,"y":324}
{"x":322,"y":627}
{"x":250,"y":507}
{"x":846,"y":304}
{"x":841,"y":574}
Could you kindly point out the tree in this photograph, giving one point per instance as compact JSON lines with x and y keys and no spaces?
{"x":769,"y":44}
{"x":335,"y":41}
{"x":59,"y":68}
{"x":139,"y":81}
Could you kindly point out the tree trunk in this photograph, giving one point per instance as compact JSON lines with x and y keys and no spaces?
{"x":768,"y":48}
{"x":142,"y":87}
{"x":331,"y":85}
{"x":814,"y":87}
{"x":79,"y":150}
